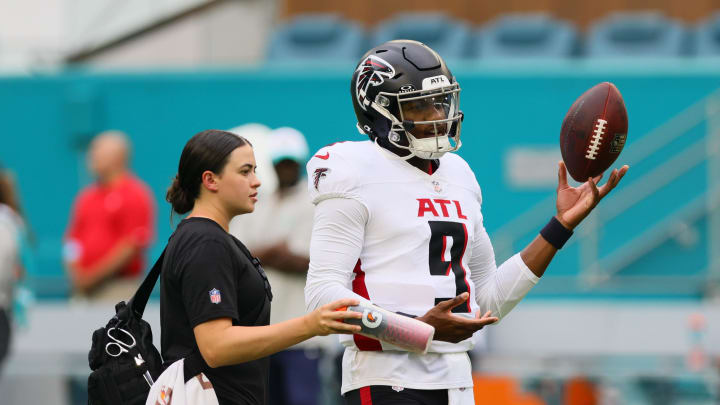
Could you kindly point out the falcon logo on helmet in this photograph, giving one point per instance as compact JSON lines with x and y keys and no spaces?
{"x":372,"y":72}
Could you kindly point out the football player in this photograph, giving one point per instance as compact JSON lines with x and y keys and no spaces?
{"x":398,"y":223}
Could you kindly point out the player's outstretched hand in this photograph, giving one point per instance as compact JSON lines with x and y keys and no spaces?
{"x":452,"y":328}
{"x":328,"y":318}
{"x":575,"y":203}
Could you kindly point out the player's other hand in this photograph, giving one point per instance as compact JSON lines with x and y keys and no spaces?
{"x":452,"y":328}
{"x":328,"y":318}
{"x":575,"y":203}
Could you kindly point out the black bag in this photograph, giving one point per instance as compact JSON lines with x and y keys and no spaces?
{"x":123,"y":359}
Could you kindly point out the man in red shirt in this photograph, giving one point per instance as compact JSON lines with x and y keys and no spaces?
{"x":111,"y":225}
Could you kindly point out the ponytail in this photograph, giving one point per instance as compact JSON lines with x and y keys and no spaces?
{"x":177,"y":197}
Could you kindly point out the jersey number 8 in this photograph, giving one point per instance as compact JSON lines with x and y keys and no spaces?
{"x":440,"y":232}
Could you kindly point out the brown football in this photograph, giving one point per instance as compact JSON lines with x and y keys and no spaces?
{"x":594,"y":131}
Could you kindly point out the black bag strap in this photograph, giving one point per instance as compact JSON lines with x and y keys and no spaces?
{"x":256,"y":263}
{"x":142,"y":295}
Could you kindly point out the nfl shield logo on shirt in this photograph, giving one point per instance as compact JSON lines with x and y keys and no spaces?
{"x":436,"y":186}
{"x":215,"y":297}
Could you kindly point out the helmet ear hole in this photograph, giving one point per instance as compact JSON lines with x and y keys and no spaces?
{"x":381,"y":126}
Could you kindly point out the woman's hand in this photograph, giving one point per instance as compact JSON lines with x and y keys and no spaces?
{"x":452,"y":328}
{"x":575,"y":203}
{"x":328,"y":318}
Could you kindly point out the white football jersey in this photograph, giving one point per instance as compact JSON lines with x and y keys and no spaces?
{"x":417,"y":249}
{"x":416,"y":240}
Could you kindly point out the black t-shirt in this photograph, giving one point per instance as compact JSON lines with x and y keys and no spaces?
{"x":206,"y":275}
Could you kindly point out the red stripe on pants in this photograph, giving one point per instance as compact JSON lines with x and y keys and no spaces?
{"x":365,"y":397}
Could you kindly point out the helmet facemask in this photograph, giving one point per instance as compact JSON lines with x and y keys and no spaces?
{"x":429,"y":119}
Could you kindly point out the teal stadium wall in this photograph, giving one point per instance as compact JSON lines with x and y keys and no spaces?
{"x":46,"y":121}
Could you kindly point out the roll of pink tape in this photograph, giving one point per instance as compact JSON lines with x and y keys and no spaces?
{"x":399,"y":330}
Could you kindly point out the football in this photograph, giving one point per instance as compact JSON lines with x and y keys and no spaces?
{"x":594,"y":131}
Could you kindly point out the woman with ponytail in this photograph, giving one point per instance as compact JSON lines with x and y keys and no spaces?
{"x":215,"y":298}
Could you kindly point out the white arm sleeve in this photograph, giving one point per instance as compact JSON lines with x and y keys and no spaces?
{"x":497,"y":289}
{"x":337,"y":239}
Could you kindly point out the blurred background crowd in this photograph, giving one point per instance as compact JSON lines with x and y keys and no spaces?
{"x":98,"y":97}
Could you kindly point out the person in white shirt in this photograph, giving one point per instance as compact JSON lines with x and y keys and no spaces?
{"x":398,"y":223}
{"x":278,"y":233}
{"x":11,"y":268}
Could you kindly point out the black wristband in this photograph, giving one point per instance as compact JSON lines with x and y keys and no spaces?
{"x":555,"y":233}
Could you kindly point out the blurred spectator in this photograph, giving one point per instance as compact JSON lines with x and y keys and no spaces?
{"x":111,"y":225}
{"x":284,"y":218}
{"x":11,"y":232}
